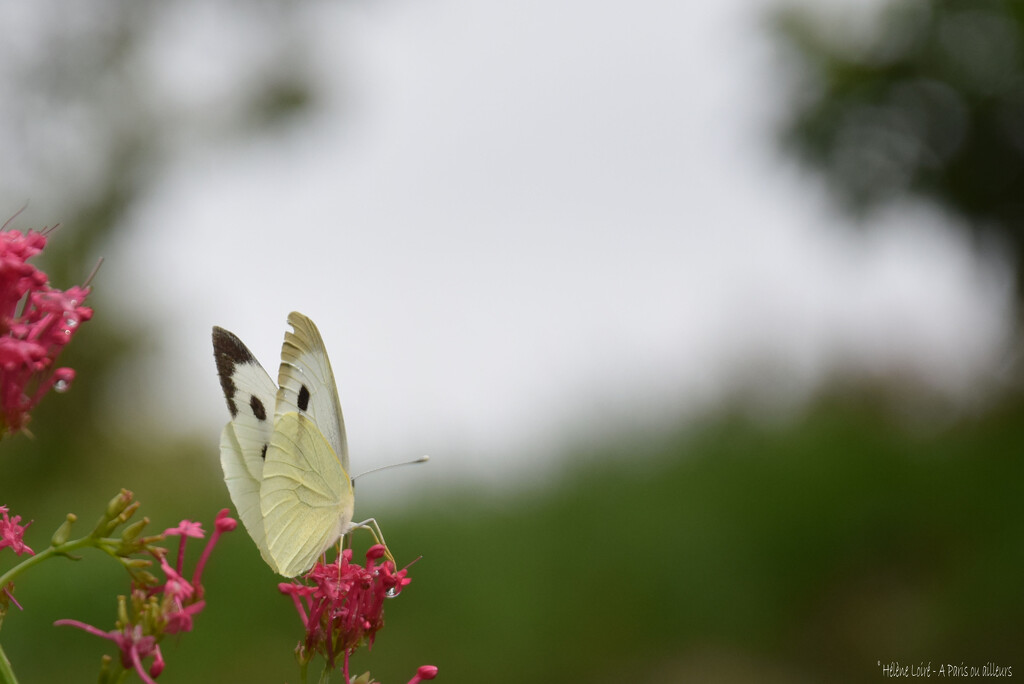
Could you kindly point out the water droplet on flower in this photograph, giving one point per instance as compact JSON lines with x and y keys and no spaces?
{"x":61,"y":385}
{"x":71,"y":321}
{"x":391,"y":593}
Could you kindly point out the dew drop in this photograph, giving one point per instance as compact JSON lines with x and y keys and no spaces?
{"x":391,"y":593}
{"x":71,"y":322}
{"x":61,"y":386}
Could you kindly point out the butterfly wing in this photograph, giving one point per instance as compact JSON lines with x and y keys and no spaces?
{"x":250,"y":394}
{"x":307,"y":384}
{"x":305,"y":497}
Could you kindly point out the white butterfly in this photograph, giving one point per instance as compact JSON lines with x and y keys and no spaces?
{"x":287,"y":472}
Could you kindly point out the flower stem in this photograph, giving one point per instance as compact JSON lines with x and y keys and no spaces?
{"x":38,"y":558}
{"x":6,"y":673}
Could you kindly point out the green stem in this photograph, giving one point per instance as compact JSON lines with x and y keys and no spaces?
{"x":38,"y":558}
{"x":6,"y":673}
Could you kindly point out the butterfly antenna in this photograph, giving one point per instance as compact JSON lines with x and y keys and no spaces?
{"x":421,"y":459}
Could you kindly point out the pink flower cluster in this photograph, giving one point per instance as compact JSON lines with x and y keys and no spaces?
{"x":31,"y":339}
{"x":167,"y":608}
{"x":12,"y":533}
{"x":344,"y":606}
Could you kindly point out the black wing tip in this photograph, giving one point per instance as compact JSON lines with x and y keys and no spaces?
{"x":228,"y":352}
{"x":227,"y":345}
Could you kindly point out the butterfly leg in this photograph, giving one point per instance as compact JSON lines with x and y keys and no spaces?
{"x":371,"y":525}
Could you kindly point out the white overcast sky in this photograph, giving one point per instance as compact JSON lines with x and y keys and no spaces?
{"x":515,"y":221}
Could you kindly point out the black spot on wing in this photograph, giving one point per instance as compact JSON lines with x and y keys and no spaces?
{"x":228,"y":352}
{"x":263,"y":454}
{"x":303,"y":401}
{"x":257,"y":408}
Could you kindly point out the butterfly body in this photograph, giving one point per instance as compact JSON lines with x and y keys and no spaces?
{"x":284,"y":453}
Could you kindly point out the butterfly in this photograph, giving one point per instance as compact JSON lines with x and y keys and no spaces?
{"x":284,"y":453}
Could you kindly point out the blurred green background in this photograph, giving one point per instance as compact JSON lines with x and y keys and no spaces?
{"x":730,"y":552}
{"x":877,"y":523}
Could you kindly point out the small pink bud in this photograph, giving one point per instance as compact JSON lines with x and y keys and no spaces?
{"x":158,"y":663}
{"x":424,"y":673}
{"x":225,"y":523}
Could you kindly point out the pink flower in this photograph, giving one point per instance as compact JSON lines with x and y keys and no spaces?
{"x":31,"y":339}
{"x":135,"y":646}
{"x":177,"y":594}
{"x":183,"y":598}
{"x":12,"y":534}
{"x":186,"y":528}
{"x":345,"y":604}
{"x":167,"y":608}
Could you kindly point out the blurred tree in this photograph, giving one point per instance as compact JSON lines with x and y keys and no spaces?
{"x":927,"y":102}
{"x":100,"y":98}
